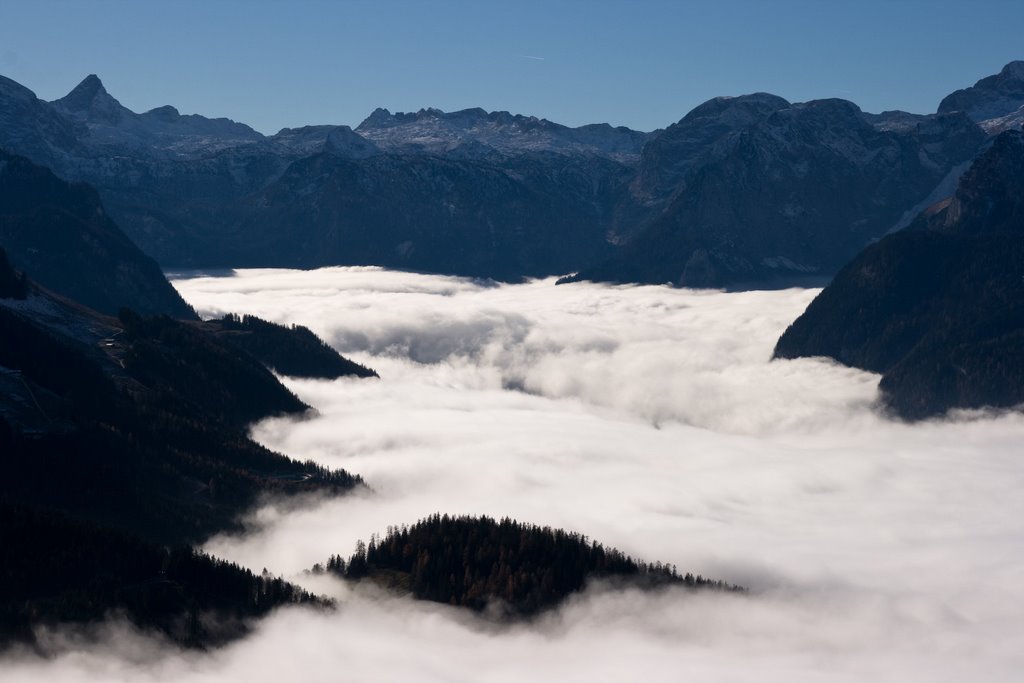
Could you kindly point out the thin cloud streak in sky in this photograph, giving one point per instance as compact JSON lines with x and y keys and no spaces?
{"x":647,"y":418}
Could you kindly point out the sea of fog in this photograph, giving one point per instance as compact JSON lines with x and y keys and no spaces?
{"x":648,"y":418}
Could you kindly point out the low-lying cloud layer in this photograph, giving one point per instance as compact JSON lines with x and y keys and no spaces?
{"x":650,"y":419}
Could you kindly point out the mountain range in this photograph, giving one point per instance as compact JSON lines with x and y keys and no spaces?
{"x":741,"y":191}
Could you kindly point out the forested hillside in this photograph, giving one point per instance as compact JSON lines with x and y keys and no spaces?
{"x":59,"y":570}
{"x":295,"y":351}
{"x":477,"y":562}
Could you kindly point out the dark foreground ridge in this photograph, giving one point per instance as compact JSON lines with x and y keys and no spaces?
{"x":139,"y":423}
{"x":58,"y":570}
{"x":477,"y":562}
{"x":939,"y":308}
{"x":121,"y":438}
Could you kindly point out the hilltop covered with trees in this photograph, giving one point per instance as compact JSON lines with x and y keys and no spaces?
{"x":475,"y":562}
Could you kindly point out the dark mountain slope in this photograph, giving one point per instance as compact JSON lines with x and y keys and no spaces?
{"x":31,"y":127}
{"x":13,"y":285}
{"x":60,"y":233}
{"x":138,"y":424}
{"x":939,"y":308}
{"x":795,"y":194}
{"x":527,"y":215}
{"x":705,"y":133}
{"x":477,"y":562}
{"x":294,"y":351}
{"x":117,"y":438}
{"x":58,"y":570}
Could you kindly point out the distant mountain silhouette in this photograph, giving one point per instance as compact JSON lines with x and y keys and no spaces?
{"x":748,"y":191}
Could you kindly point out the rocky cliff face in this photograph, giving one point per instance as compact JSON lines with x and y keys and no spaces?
{"x":938,"y":308}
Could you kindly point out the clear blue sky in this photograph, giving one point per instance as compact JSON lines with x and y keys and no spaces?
{"x":643,"y":64}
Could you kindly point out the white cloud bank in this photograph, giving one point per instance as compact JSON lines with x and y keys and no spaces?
{"x":647,"y":418}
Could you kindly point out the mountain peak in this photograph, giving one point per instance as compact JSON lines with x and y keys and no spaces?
{"x":1014,"y":69}
{"x":91,"y":101}
{"x":991,"y":97}
{"x":378,"y":117}
{"x":84,"y":93}
{"x":759,"y":102}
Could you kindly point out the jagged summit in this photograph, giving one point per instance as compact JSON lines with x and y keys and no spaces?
{"x":90,"y":101}
{"x":84,"y":93}
{"x":377,"y":117}
{"x":477,"y":131}
{"x":160,"y":131}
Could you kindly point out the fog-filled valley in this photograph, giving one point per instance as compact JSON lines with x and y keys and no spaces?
{"x":578,"y":341}
{"x":646,"y":417}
